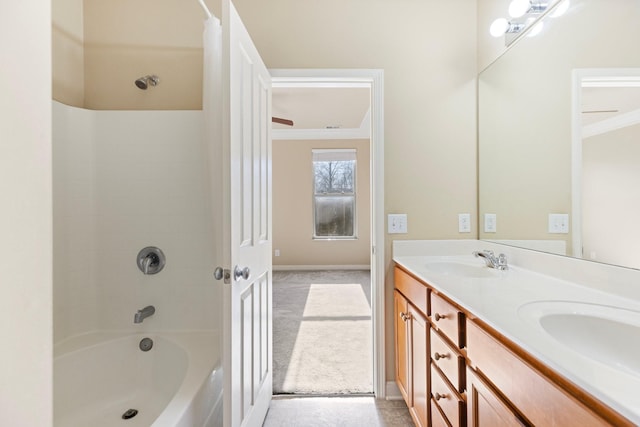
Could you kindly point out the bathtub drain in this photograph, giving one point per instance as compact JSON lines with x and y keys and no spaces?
{"x":129,"y":413}
{"x":146,"y":344}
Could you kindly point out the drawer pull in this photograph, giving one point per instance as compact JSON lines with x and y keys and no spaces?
{"x":439,"y":396}
{"x":439,"y":316}
{"x":439,"y":356}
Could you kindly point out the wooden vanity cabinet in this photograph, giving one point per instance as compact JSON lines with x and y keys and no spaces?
{"x":533,"y":394}
{"x":417,"y":362}
{"x":447,"y":366}
{"x":454,"y":370}
{"x":402,"y":345}
{"x":412,"y":332}
{"x":486,"y":408}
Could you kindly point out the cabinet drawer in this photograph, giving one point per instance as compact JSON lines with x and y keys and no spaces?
{"x":414,"y":290}
{"x":447,"y":319}
{"x":535,"y":396}
{"x":437,"y":419}
{"x":450,"y":362}
{"x":447,"y":399}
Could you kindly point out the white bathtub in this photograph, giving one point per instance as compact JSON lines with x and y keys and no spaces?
{"x":100,"y":375}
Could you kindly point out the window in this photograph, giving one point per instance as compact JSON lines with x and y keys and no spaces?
{"x":334,"y":197}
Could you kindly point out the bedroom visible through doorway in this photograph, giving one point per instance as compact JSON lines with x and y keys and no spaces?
{"x":323,"y":298}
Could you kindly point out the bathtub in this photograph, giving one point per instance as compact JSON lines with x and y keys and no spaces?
{"x":101,"y":375}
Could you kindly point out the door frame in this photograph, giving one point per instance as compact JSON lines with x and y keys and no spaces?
{"x":375,"y":79}
{"x":603,"y":74}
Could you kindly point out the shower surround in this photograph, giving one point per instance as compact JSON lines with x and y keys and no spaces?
{"x":125,"y":180}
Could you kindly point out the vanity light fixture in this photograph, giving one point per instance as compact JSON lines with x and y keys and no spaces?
{"x":519,"y":8}
{"x":501,"y":26}
{"x":525,"y":14}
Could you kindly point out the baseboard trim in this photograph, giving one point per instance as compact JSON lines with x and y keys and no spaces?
{"x":392,"y":391}
{"x":320,"y":267}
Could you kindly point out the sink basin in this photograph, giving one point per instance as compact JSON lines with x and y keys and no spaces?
{"x":607,"y":334}
{"x":461,"y":269}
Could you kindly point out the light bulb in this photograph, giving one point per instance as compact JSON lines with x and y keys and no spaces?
{"x":562,"y":7}
{"x":518,"y":8}
{"x":499,"y":27}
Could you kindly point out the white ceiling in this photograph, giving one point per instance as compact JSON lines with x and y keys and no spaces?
{"x":321,"y":107}
{"x":603,"y":103}
{"x":330,"y":108}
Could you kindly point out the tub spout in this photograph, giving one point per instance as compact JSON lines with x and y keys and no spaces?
{"x":143,"y":314}
{"x":146,"y":263}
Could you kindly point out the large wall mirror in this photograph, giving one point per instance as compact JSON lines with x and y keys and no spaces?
{"x":559,"y":136}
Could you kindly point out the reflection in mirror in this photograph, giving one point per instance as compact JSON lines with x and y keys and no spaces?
{"x":526,"y":102}
{"x":607,"y":165}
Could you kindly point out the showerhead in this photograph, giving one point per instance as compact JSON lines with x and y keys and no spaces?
{"x":144,"y":82}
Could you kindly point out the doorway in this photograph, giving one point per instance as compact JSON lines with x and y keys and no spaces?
{"x":372,"y":129}
{"x":606,"y":123}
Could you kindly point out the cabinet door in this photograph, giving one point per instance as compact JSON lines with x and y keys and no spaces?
{"x":419,"y":367}
{"x":402,"y":345}
{"x":485,"y":408}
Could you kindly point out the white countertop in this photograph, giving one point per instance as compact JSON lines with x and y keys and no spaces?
{"x":498,"y":299}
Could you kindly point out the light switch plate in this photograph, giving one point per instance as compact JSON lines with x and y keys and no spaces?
{"x":490,"y":220}
{"x":397,"y":224}
{"x":558,"y":223}
{"x":464,"y":223}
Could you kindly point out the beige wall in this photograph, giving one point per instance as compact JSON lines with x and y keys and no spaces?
{"x":25,"y":215}
{"x":429,"y":83}
{"x":293,"y":207}
{"x":68,"y":48}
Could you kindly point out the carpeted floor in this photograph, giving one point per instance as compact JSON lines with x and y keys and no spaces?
{"x":322,"y":336}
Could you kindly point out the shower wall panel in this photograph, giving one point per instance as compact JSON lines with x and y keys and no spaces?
{"x":126,"y":180}
{"x":74,"y":244}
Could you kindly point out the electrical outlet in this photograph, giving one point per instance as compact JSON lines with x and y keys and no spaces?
{"x":490,"y":223}
{"x":464,"y":223}
{"x":397,"y":224}
{"x":558,"y":223}
{"x":276,"y":252}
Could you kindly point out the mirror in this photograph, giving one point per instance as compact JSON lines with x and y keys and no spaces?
{"x":530,"y":108}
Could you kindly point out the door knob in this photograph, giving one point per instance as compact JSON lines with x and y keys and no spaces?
{"x":220,"y":273}
{"x":241,"y":273}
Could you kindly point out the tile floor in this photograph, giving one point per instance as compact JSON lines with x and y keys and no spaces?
{"x":352,"y":411}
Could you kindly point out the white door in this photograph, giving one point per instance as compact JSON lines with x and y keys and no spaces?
{"x":247,"y":223}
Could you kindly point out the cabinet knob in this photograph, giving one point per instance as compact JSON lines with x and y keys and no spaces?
{"x":439,"y":316}
{"x":405,"y":316}
{"x":439,"y":396}
{"x":439,"y":356}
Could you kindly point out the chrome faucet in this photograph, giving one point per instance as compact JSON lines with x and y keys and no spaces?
{"x":143,"y":314}
{"x":498,"y":262}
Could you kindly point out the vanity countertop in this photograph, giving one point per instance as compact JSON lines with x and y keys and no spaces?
{"x":511,"y":301}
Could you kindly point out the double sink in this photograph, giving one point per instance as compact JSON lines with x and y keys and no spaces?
{"x":606,"y":334}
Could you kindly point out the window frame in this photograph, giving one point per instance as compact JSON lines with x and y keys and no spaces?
{"x":353,"y":194}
